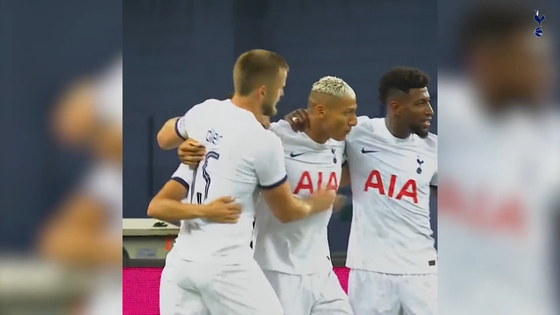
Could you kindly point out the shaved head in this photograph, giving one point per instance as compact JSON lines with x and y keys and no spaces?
{"x":318,"y":98}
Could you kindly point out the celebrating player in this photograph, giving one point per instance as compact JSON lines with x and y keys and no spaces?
{"x":211,"y":268}
{"x":392,"y":163}
{"x":86,"y":231}
{"x":295,"y":256}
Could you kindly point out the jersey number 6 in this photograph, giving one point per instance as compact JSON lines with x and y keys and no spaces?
{"x":206,"y":176}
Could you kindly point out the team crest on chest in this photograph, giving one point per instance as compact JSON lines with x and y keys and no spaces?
{"x":420,"y":162}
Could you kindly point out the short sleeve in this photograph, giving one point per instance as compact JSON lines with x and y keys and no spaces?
{"x":269,"y":162}
{"x":187,"y":122}
{"x":434,"y":180}
{"x":183,"y":175}
{"x":104,"y":183}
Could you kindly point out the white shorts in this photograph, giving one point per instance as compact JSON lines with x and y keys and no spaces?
{"x":310,"y":294}
{"x":373,"y":293}
{"x":193,"y":288}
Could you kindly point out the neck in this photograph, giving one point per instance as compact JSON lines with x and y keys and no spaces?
{"x":315,"y":132}
{"x":398,"y":130}
{"x":248,"y":104}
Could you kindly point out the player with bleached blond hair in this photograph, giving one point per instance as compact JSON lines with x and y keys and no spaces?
{"x":295,"y":256}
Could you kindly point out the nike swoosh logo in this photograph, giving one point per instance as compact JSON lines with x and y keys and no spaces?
{"x":364,"y":151}
{"x":295,"y":154}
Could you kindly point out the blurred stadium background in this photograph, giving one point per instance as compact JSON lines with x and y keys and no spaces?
{"x":499,"y":161}
{"x":45,"y":47}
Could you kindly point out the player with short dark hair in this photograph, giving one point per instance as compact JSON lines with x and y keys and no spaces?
{"x":405,"y":92}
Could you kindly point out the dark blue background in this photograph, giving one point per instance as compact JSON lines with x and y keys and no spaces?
{"x":44,"y":45}
{"x":179,"y":53}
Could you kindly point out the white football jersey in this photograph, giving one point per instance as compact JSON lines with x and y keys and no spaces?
{"x":241,"y":158}
{"x":496,"y":218}
{"x":104,"y":183}
{"x":299,"y":247}
{"x":184,"y":175}
{"x":391,"y":180}
{"x":109,"y":91}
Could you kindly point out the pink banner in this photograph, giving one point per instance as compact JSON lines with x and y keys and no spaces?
{"x":141,"y":289}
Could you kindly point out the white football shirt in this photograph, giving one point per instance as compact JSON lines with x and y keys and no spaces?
{"x":184,"y":175}
{"x":391,"y":180}
{"x":500,"y":181}
{"x":104,"y":184}
{"x":300,"y":247}
{"x":241,"y":158}
{"x":109,"y":91}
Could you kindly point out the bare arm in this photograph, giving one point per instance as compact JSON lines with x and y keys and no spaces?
{"x":75,"y":235}
{"x":286,"y":207}
{"x":167,"y":136}
{"x":167,"y":206}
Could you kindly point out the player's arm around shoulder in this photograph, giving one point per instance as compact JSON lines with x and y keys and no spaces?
{"x":75,"y":234}
{"x":167,"y":136}
{"x":175,"y":130}
{"x":167,"y":206}
{"x":275,"y":189}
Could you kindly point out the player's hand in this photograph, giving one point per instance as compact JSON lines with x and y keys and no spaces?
{"x":298,"y":120}
{"x":191,"y":152}
{"x":223,"y":210}
{"x":265,"y":121}
{"x":339,"y":203}
{"x":322,"y":199}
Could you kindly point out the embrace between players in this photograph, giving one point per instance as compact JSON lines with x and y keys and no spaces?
{"x":283,"y":177}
